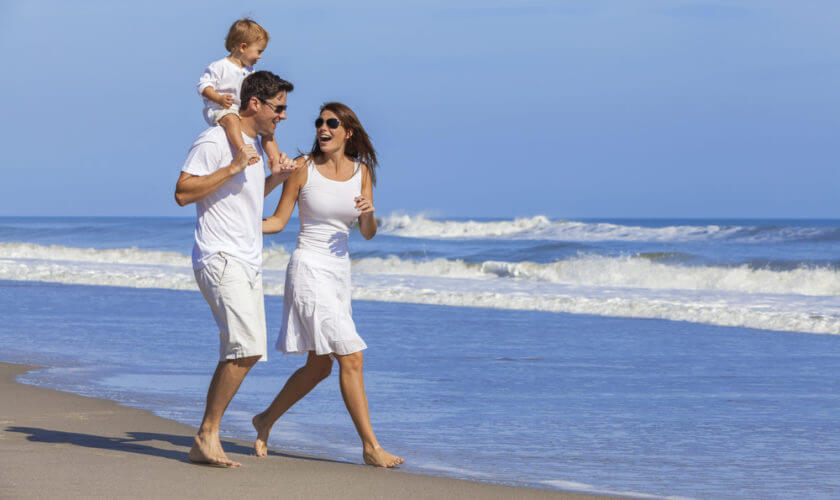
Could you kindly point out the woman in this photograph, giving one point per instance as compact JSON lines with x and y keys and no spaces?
{"x":334,"y":186}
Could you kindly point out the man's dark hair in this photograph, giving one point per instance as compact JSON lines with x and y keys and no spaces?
{"x":263,"y":85}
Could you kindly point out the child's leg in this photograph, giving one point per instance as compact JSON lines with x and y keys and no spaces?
{"x":271,"y":149}
{"x":233,"y":131}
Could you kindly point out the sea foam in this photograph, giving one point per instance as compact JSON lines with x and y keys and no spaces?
{"x":588,"y":286}
{"x":542,"y":227}
{"x":583,"y":270}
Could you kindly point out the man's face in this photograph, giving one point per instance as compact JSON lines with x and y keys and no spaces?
{"x":268,"y":115}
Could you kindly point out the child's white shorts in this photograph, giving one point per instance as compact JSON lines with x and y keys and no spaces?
{"x":213,"y":115}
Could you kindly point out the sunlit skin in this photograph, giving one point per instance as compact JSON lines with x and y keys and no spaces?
{"x":335,"y":165}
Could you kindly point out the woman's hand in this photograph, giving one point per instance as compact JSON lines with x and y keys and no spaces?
{"x":363,"y":205}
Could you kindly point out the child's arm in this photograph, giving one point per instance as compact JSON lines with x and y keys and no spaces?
{"x":209,"y":82}
{"x":223,"y":100}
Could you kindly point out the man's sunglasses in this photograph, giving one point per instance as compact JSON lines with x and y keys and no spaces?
{"x":278,"y":108}
{"x":331,"y":122}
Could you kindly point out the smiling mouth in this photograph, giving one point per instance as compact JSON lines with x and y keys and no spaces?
{"x":323,"y":139}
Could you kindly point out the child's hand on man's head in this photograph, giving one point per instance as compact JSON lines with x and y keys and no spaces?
{"x":226,"y":101}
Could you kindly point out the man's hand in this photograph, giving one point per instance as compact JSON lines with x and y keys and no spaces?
{"x":247,"y":155}
{"x":226,"y":100}
{"x":363,"y":205}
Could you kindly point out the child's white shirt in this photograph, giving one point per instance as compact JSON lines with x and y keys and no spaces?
{"x":226,"y":78}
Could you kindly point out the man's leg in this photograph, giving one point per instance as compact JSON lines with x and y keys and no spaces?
{"x":207,"y":448}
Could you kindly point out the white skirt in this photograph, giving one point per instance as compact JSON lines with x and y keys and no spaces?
{"x":317,"y":315}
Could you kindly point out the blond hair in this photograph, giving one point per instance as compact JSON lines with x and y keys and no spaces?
{"x":245,"y":31}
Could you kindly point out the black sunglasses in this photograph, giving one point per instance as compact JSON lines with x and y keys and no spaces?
{"x":278,"y":108}
{"x":331,"y":122}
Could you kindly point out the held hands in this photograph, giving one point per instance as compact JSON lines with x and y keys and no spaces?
{"x":247,"y":155}
{"x":363,"y":205}
{"x":226,"y":100}
{"x":282,"y":166}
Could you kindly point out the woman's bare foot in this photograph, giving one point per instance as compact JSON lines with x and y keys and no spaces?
{"x":381,"y":458}
{"x":208,"y":450}
{"x":263,"y":430}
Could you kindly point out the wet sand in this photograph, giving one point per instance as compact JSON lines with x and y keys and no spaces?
{"x":59,"y":445}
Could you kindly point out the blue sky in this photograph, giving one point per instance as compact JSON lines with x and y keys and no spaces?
{"x":579,"y":108}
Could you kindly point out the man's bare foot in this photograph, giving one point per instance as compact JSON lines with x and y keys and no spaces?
{"x":208,"y":450}
{"x":261,"y":443}
{"x":381,"y":458}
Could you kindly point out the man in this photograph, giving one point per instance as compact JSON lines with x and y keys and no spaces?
{"x":228,"y":188}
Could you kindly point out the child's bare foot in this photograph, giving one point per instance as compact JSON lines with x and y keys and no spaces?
{"x":381,"y":458}
{"x":208,"y":450}
{"x":263,"y":430}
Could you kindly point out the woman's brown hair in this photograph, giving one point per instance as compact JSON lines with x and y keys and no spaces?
{"x":358,"y":145}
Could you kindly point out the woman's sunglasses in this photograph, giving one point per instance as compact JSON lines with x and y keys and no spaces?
{"x":331,"y":122}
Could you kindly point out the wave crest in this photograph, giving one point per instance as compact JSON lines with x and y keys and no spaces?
{"x":642,"y":271}
{"x":541,"y":227}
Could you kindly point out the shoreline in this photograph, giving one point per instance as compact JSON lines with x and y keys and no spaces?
{"x":58,"y":445}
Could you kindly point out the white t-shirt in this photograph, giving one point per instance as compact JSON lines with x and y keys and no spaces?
{"x":226,"y":78}
{"x":229,"y":218}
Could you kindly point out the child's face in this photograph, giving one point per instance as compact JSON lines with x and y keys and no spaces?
{"x":252,"y":52}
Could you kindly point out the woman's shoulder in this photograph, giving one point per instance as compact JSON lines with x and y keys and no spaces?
{"x":301,"y":161}
{"x":362,"y":167}
{"x":365,"y":170}
{"x":300,"y":174}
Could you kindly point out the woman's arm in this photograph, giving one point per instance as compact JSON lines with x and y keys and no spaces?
{"x":291,"y":190}
{"x":364,"y":203}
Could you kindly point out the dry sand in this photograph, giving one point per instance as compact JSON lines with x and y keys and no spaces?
{"x":60,"y":445}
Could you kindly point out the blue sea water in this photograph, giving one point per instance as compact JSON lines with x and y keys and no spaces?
{"x":694,"y":358}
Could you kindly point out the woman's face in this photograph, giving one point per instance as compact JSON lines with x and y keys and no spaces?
{"x":330,"y":132}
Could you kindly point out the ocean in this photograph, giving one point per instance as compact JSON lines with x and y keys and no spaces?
{"x":687,"y":358}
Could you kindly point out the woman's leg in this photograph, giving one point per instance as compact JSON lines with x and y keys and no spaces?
{"x":353,"y":392}
{"x":316,"y":369}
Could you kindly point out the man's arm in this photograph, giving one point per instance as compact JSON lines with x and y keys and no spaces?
{"x":191,"y":188}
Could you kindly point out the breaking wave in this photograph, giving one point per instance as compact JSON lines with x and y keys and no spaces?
{"x":541,"y":227}
{"x":801,"y":299}
{"x":650,"y":271}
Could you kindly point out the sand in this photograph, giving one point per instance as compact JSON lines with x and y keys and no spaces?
{"x":60,"y":445}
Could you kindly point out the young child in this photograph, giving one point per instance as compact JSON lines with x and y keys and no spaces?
{"x":222,"y":79}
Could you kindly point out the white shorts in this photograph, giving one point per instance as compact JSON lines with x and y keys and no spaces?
{"x":212,"y":115}
{"x":233,"y":289}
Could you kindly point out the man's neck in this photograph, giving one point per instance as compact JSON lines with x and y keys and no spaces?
{"x":248,"y":128}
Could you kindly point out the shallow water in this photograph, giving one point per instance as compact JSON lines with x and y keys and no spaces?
{"x":520,"y":397}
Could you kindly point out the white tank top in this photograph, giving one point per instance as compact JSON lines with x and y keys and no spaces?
{"x":327,"y":209}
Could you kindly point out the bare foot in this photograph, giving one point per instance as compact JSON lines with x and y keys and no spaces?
{"x":381,"y":458}
{"x":261,"y":443}
{"x":208,"y":450}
